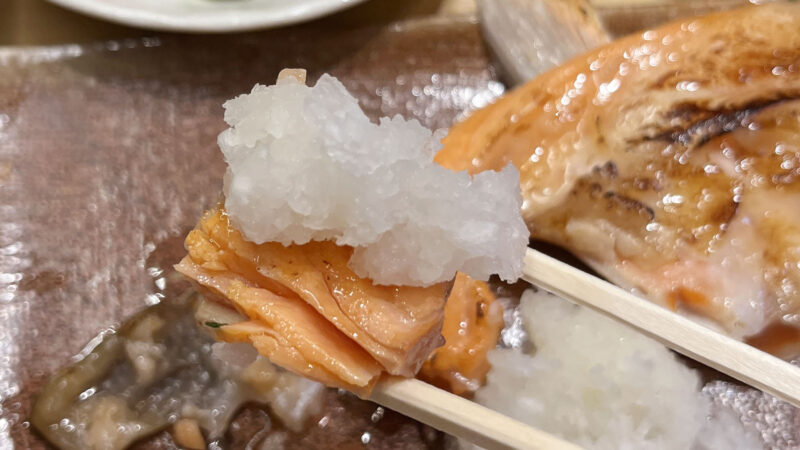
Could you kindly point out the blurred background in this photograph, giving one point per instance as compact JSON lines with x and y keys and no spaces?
{"x":37,"y":22}
{"x":41,"y":22}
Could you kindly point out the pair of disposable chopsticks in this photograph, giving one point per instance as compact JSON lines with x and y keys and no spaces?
{"x":492,"y":430}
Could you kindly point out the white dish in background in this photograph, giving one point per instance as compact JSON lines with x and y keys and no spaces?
{"x":214,"y":16}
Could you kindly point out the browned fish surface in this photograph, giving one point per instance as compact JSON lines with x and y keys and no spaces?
{"x":472,"y":324}
{"x":670,"y":162}
{"x":309,"y":312}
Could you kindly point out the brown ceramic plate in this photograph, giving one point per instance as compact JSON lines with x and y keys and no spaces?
{"x":108,"y":156}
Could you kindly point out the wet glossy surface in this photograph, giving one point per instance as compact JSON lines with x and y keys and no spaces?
{"x":158,"y":367}
{"x":669,"y":161}
{"x":309,"y":312}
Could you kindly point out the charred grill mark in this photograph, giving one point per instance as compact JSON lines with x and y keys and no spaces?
{"x":702,"y":130}
{"x":601,"y":139}
{"x":595,"y":189}
{"x":607,"y":170}
{"x":715,"y":126}
{"x":630,"y":204}
{"x":705,"y":124}
{"x":725,"y":214}
{"x":646,"y":184}
{"x":598,"y":192}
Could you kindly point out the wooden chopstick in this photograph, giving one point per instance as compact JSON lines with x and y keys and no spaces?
{"x":489,"y":429}
{"x":461,"y":417}
{"x":729,"y":356}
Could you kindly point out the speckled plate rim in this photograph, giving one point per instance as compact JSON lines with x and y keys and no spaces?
{"x":207,"y":17}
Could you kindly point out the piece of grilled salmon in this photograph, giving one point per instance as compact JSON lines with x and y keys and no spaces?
{"x":473,"y":320}
{"x":669,"y":161}
{"x":309,"y":312}
{"x":304,"y":309}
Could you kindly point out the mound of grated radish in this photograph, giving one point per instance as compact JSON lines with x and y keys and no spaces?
{"x":603,"y":386}
{"x":305,"y":163}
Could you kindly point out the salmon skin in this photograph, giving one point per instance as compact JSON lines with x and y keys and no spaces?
{"x":669,"y":161}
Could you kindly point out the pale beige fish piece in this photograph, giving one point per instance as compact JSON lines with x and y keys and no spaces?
{"x":297,"y":74}
{"x":344,"y":326}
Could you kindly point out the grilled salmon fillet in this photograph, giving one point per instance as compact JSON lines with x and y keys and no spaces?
{"x":669,"y":161}
{"x":309,"y":312}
